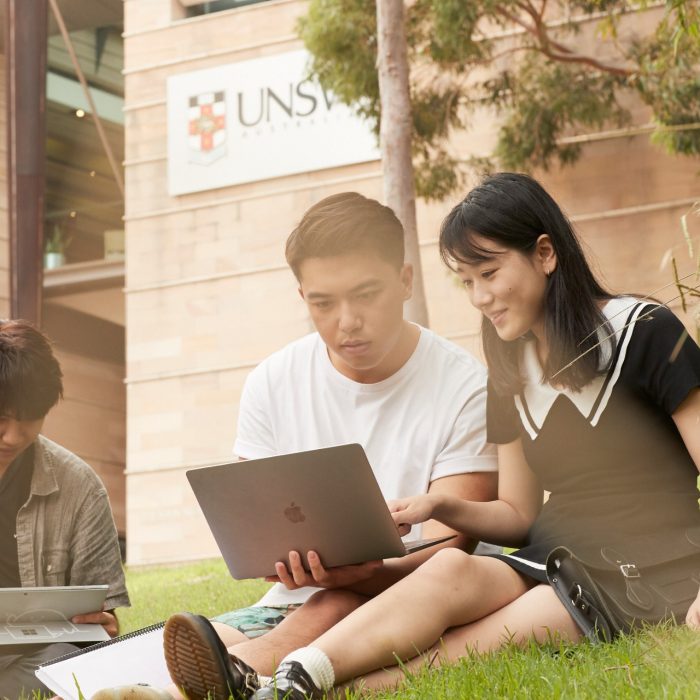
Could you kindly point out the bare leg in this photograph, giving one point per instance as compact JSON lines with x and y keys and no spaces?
{"x":536,"y":615}
{"x":228,"y":635}
{"x":452,"y":588}
{"x":323,"y":610}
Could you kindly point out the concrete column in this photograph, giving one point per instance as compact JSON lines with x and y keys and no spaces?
{"x":25,"y":75}
{"x":4,"y":234}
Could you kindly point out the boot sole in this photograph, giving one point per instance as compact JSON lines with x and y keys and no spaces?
{"x":192,"y":656}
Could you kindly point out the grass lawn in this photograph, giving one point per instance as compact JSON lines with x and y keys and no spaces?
{"x":203,"y":587}
{"x":662,"y":662}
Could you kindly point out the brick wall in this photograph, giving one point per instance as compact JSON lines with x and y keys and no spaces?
{"x":208,"y":294}
{"x":90,"y":421}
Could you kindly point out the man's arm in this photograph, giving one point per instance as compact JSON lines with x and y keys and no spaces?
{"x":372,"y":577}
{"x":96,"y":558}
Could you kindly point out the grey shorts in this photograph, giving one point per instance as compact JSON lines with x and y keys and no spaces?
{"x":256,"y":620}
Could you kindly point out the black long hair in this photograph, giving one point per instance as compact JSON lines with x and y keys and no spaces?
{"x":514,"y":210}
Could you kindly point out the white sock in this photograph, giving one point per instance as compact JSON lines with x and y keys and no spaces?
{"x":316,"y":664}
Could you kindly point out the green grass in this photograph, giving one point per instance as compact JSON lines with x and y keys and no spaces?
{"x":660,"y":663}
{"x":203,"y":587}
{"x":663,"y":662}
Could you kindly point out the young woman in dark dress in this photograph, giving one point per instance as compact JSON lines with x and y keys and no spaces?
{"x":593,"y":398}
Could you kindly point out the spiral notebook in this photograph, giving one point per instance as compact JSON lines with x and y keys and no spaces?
{"x":132,"y":658}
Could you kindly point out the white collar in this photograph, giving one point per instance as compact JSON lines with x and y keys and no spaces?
{"x":538,"y":397}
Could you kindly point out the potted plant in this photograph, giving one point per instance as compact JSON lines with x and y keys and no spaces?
{"x":55,"y":244}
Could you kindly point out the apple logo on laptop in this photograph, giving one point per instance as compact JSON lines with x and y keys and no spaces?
{"x":293,"y":513}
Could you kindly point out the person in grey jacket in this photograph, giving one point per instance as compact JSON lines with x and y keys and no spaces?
{"x":56,"y":524}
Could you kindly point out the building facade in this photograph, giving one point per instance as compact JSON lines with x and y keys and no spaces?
{"x":206,"y":292}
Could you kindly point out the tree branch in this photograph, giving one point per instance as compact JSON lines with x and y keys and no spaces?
{"x":571,"y":57}
{"x":553,"y":49}
{"x":529,"y":8}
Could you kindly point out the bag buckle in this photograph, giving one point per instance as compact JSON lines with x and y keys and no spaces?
{"x":630,"y":571}
{"x":577,"y":598}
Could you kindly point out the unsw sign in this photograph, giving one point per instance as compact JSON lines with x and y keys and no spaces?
{"x":256,"y":120}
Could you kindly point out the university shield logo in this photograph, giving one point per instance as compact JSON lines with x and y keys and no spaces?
{"x":207,"y":127}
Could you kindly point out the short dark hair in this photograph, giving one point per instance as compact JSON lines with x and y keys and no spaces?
{"x":30,"y":376}
{"x":346,"y":223}
{"x":514,"y":210}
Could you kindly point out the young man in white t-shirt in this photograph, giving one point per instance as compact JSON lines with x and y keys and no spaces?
{"x":414,"y":401}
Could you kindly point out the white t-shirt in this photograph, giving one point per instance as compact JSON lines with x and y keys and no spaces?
{"x":425,"y":422}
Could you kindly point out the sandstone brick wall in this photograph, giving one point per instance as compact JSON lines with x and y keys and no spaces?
{"x":91,"y":422}
{"x":208,"y":295}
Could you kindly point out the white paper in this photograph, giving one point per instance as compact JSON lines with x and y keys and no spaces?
{"x":128,"y":660}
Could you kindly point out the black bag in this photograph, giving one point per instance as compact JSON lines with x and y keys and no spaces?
{"x":624,"y":586}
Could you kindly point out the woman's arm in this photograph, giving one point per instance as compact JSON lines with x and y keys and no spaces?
{"x":692,"y":619}
{"x":503,"y":521}
{"x":687,"y":420}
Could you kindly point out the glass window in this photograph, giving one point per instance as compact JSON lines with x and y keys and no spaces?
{"x":84,"y":205}
{"x":206,"y":8}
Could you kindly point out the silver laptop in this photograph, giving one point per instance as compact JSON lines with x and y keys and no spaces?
{"x":325,"y":500}
{"x":40,"y":615}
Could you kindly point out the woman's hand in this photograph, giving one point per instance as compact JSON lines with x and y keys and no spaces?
{"x":411,"y":511}
{"x":692,"y":619}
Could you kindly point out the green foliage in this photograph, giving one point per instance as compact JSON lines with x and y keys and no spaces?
{"x":342,"y":38}
{"x":445,"y":30}
{"x":669,"y":81}
{"x":537,"y":111}
{"x":543,"y":89}
{"x":56,"y":241}
{"x":437,"y":174}
{"x":435,"y":113}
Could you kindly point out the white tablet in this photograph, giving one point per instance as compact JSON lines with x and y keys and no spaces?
{"x":42,"y":614}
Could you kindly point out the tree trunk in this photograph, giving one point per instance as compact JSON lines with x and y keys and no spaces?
{"x":395,"y":133}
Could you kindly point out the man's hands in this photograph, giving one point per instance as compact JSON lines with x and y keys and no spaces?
{"x":406,"y":512}
{"x":412,"y":511}
{"x":105,"y":618}
{"x":335,"y":577}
